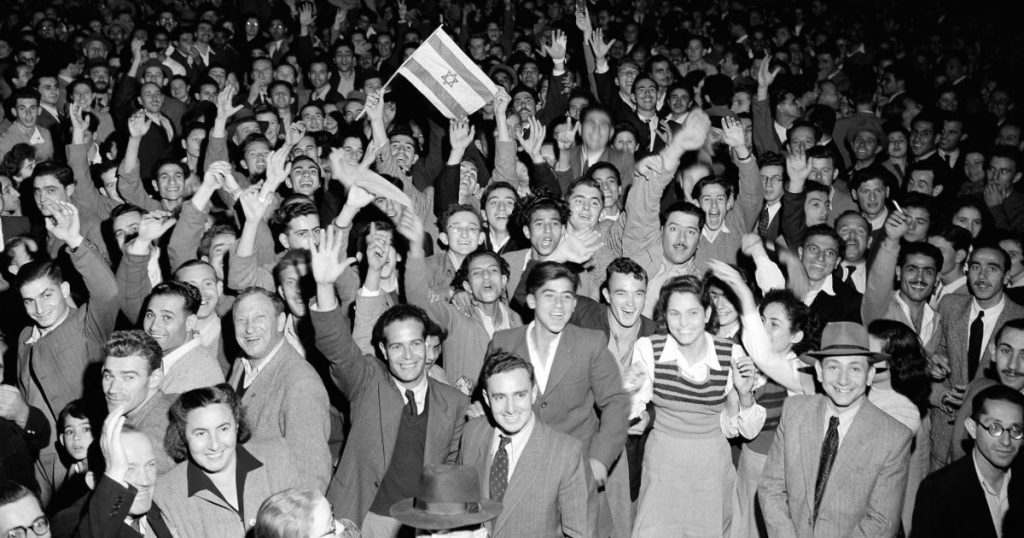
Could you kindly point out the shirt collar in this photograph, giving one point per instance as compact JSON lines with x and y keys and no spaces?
{"x":992,"y":312}
{"x":985,"y":486}
{"x":250,"y":370}
{"x":711,"y":235}
{"x":38,"y":333}
{"x":197,"y":479}
{"x":174,"y":356}
{"x":419,"y":391}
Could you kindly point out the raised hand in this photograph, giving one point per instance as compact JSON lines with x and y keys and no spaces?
{"x":138,"y":124}
{"x":664,"y":132}
{"x":278,"y":169}
{"x":648,"y":168}
{"x":154,"y":225}
{"x":306,"y":15}
{"x":578,"y":247}
{"x":798,"y":167}
{"x":254,"y":206}
{"x":695,"y":131}
{"x":765,"y":77}
{"x":359,"y":197}
{"x":411,"y":228}
{"x":225,"y":108}
{"x":744,"y":373}
{"x":12,"y":404}
{"x":403,"y":10}
{"x":583,"y":23}
{"x":501,"y":102}
{"x":566,"y":138}
{"x":216,"y":177}
{"x":64,"y":222}
{"x":460,"y":134}
{"x":78,"y":120}
{"x":295,"y":133}
{"x":377,"y":252}
{"x":732,"y":133}
{"x":732,"y":278}
{"x":137,"y":52}
{"x":599,"y":45}
{"x":557,"y":48}
{"x":994,"y":196}
{"x":897,"y":224}
{"x":533,"y":144}
{"x":325,"y":258}
{"x":374,"y":107}
{"x":110,"y":445}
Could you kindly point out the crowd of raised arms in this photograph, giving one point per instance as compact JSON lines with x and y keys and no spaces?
{"x":698,"y":268}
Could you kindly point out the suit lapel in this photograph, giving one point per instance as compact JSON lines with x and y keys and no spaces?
{"x":524,"y":474}
{"x":852,"y":448}
{"x":390,"y":403}
{"x":561,"y":360}
{"x":812,"y":435}
{"x":437,"y":410}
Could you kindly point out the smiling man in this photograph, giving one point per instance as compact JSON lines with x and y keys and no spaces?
{"x":282,"y":393}
{"x":978,"y":495}
{"x":917,"y":267}
{"x":586,"y":374}
{"x":132,"y":372}
{"x":171,"y":318}
{"x":388,"y":393}
{"x":858,"y":454}
{"x":536,"y":472}
{"x":830,"y":298}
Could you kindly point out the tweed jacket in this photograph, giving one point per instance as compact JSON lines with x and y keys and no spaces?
{"x":376,"y":411}
{"x":584,"y":380}
{"x":194,"y":511}
{"x":289,"y":400}
{"x":547,"y":491}
{"x":864,"y":493}
{"x":56,"y":368}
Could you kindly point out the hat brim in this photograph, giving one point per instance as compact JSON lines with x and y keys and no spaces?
{"x":405,"y":512}
{"x":814,"y":356}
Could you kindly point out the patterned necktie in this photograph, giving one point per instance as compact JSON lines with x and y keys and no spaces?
{"x":499,"y":470}
{"x":410,"y":398}
{"x":828,"y":457}
{"x":762,"y":223}
{"x":974,"y":344}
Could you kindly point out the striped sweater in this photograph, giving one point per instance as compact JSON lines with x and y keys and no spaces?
{"x":687,"y":408}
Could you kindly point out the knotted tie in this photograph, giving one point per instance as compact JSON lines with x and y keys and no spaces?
{"x":974,"y":344}
{"x":499,"y":470}
{"x":828,"y":457}
{"x":410,"y":398}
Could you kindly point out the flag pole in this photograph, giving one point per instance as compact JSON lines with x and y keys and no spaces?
{"x":395,"y":74}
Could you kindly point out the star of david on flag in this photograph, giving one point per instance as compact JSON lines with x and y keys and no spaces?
{"x":447,"y":77}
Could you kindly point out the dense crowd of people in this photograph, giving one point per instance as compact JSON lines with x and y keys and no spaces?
{"x":703,"y":268}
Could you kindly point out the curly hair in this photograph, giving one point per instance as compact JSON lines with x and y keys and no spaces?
{"x":801,"y":318}
{"x":684,"y":284}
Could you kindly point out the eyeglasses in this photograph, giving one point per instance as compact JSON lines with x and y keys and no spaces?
{"x":771,"y":180}
{"x":39,"y":527}
{"x":463,"y":230}
{"x":996,"y":430}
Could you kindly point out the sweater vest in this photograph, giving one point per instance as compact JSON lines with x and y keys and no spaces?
{"x":771,"y":396}
{"x":686,"y":408}
{"x":402,"y":478}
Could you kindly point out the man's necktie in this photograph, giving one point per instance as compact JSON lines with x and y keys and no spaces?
{"x":762,"y":223}
{"x":974,"y":344}
{"x":849,"y":272}
{"x":410,"y":398}
{"x":828,"y":456}
{"x":136,"y":525}
{"x":948,"y":159}
{"x":499,"y":470}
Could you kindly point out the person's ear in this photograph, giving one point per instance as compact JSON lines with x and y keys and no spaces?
{"x":526,"y":231}
{"x":871,"y":374}
{"x":155,"y":378}
{"x":898,"y":273}
{"x":1017,"y":177}
{"x":282,"y":320}
{"x":90,"y":480}
{"x":606,"y":295}
{"x":531,"y":301}
{"x":156,"y":185}
{"x":817,"y":371}
{"x":443,"y":236}
{"x":65,"y":290}
{"x":283,"y":239}
{"x":487,"y":398}
{"x":191,"y":322}
{"x":972,"y":427}
{"x":938,"y":190}
{"x":70,"y":190}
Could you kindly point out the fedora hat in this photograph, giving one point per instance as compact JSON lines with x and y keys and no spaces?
{"x":844,"y":339}
{"x":448,"y":497}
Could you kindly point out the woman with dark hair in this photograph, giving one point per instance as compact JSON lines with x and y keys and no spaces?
{"x":702,"y":393}
{"x":222,"y":480}
{"x":901,"y":388}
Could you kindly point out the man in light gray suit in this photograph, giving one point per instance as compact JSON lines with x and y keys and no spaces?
{"x":535,"y":472}
{"x":838,"y":464}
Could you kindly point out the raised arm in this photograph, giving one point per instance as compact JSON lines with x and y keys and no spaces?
{"x":794,"y":222}
{"x":99,"y":280}
{"x":751,"y":189}
{"x":878,"y":290}
{"x":764,"y":136}
{"x":87,"y":196}
{"x":188,"y":232}
{"x":133,"y":272}
{"x":415,"y":267}
{"x":244,"y":270}
{"x":129,"y":184}
{"x":349,"y":370}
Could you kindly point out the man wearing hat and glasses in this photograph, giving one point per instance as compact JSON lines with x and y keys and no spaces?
{"x":838,"y":464}
{"x":447,"y":504}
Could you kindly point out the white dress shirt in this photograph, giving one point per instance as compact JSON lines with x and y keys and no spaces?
{"x":992,"y":314}
{"x":998,"y":501}
{"x":250,"y":372}
{"x":541,"y":365}
{"x":515,"y":447}
{"x":419,"y":393}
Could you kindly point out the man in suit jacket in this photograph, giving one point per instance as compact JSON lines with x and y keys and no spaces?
{"x":535,"y":472}
{"x":121,"y":504}
{"x":580,"y":157}
{"x":838,"y":464}
{"x":768,"y":223}
{"x":829,"y":297}
{"x":954,"y":501}
{"x":581,"y":391}
{"x":987,"y":267}
{"x":401,"y":418}
{"x":64,"y":344}
{"x":281,"y":392}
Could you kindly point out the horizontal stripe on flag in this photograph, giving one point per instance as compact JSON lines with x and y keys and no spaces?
{"x":473,"y":75}
{"x":432,"y":89}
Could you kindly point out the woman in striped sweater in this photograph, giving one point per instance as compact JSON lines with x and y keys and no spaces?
{"x":701,"y":395}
